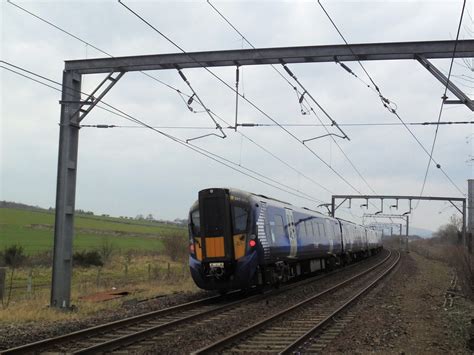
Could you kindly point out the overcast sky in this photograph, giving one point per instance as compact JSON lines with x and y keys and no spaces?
{"x":130,"y":171}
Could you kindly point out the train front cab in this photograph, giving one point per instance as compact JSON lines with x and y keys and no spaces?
{"x":223,"y":252}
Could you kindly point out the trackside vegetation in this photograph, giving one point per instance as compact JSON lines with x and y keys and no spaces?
{"x":139,"y":256}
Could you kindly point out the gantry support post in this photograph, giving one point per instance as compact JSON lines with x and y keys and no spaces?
{"x":400,"y":238}
{"x":66,"y":191}
{"x":464,"y":236}
{"x":470,"y":213}
{"x":407,"y":233}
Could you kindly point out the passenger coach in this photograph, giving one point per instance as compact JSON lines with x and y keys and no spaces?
{"x":239,"y":239}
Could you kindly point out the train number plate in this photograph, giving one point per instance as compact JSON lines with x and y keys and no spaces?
{"x":221,"y":264}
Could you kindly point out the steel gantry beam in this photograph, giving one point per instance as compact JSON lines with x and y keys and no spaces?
{"x":344,"y":198}
{"x":259,"y":56}
{"x":73,"y":109}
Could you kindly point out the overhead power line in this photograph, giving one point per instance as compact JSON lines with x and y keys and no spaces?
{"x":443,"y":99}
{"x":90,"y":45}
{"x":302,"y":97}
{"x":215,"y":157}
{"x":240,"y":95}
{"x":186,"y":99}
{"x":303,"y":125}
{"x":388,"y":104}
{"x":209,"y":112}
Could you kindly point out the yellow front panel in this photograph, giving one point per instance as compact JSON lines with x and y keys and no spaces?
{"x":239,"y":246}
{"x":197,"y":248}
{"x":215,"y":247}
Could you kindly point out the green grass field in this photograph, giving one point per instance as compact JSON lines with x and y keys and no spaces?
{"x":34,"y":231}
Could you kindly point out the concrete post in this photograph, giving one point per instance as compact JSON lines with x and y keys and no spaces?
{"x":65,"y":192}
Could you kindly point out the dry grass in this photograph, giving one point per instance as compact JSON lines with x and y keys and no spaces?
{"x":143,"y":276}
{"x":456,"y":256}
{"x":35,"y":308}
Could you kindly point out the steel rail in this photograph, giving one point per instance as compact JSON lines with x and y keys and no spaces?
{"x":84,"y":334}
{"x":137,"y":336}
{"x":300,"y":341}
{"x":252,"y":329}
{"x":31,"y":347}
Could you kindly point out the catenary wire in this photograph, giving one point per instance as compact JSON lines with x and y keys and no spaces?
{"x":181,"y":94}
{"x":386,"y":102}
{"x":91,"y":45}
{"x":333,"y":122}
{"x":244,"y":97}
{"x":444,"y":97}
{"x":307,"y":125}
{"x":219,"y":159}
{"x":305,"y":91}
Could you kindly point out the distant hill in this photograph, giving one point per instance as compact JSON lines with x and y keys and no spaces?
{"x":424,"y":233}
{"x":139,"y":218}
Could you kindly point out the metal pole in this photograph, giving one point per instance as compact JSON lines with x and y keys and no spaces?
{"x":464,"y":238}
{"x":470,"y":205}
{"x":333,"y":206}
{"x":400,"y":238}
{"x":65,"y":192}
{"x":406,"y":241}
{"x":470,"y":214}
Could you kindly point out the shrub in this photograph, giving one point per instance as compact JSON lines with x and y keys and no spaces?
{"x":13,"y":256}
{"x":87,"y":258}
{"x":106,"y":250}
{"x":463,"y":263}
{"x":176,"y":246}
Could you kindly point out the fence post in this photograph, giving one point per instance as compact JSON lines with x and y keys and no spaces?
{"x":29,"y":283}
{"x":169,"y":270}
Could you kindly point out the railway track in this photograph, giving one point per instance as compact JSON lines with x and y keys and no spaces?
{"x":89,"y":339}
{"x":142,"y":331}
{"x":304,"y":327}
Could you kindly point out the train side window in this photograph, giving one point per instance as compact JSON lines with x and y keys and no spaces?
{"x":322,"y":230}
{"x":302,"y":229}
{"x":195,"y":223}
{"x":240,"y":220}
{"x":309,"y":230}
{"x":317,"y":235}
{"x":279,"y":226}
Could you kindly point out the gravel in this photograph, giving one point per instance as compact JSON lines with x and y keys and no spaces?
{"x":12,"y":335}
{"x":405,"y":315}
{"x":191,"y":336}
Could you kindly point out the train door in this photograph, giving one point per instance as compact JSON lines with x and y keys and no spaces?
{"x":291,"y":233}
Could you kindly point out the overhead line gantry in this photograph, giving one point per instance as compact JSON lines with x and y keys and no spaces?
{"x":74,"y":110}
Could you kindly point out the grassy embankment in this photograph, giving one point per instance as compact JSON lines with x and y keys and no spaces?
{"x":139,"y":260}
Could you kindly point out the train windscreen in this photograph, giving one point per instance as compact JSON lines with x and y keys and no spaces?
{"x":195,"y":223}
{"x":214,"y":217}
{"x":240,"y":220}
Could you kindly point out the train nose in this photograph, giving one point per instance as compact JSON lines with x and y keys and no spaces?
{"x":215,"y":215}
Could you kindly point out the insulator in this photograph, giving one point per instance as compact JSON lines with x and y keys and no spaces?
{"x":346,"y":68}
{"x":182,"y":75}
